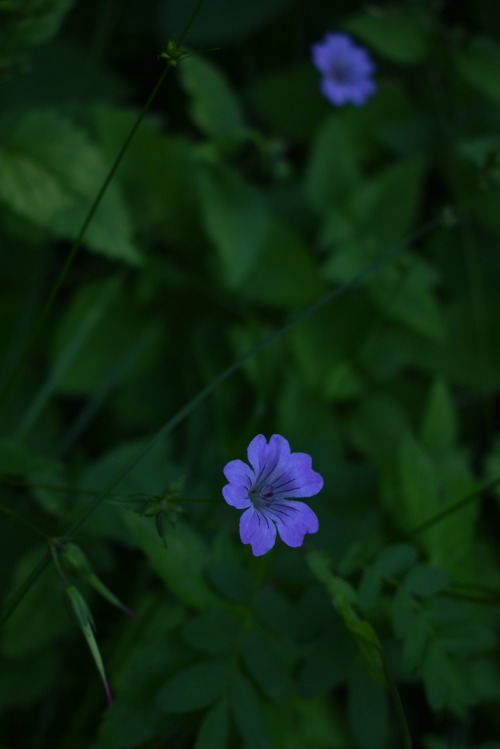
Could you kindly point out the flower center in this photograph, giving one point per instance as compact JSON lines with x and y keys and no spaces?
{"x":262,"y":495}
{"x":340,"y":72}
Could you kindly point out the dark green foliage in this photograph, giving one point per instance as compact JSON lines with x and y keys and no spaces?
{"x":361,"y":245}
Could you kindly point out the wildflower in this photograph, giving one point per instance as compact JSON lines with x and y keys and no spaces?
{"x":347,"y":69}
{"x":265,"y":491}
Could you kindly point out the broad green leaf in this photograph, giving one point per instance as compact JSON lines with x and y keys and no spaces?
{"x":424,"y":580}
{"x":274,"y":97}
{"x":232,"y":582}
{"x":477,"y":64}
{"x":249,"y":715}
{"x":368,"y":710}
{"x":50,"y":172}
{"x":230,"y":206}
{"x":439,"y":423}
{"x":214,"y":105}
{"x":107,"y":305}
{"x":180,"y":565}
{"x":215,"y":632}
{"x":195,"y":687}
{"x":214,"y":729}
{"x":333,"y":170}
{"x":400,"y":33}
{"x":264,"y":665}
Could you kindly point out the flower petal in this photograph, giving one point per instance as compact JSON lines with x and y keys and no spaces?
{"x":237,"y":472}
{"x":236,"y":495}
{"x":258,"y":530}
{"x":298,"y":479}
{"x":268,"y":460}
{"x":293,"y":520}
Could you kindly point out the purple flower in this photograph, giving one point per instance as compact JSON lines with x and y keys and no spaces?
{"x":265,"y":490}
{"x":347,"y":69}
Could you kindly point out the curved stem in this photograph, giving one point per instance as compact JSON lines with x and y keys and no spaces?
{"x":31,"y":526}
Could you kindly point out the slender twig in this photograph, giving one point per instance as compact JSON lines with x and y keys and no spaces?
{"x":20,"y":519}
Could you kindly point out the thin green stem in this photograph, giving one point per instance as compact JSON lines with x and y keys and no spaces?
{"x":187,"y":29}
{"x":18,"y":596}
{"x":27,"y":523}
{"x":451,"y":510}
{"x":400,"y":714}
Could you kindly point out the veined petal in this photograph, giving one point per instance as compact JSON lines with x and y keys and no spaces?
{"x":268,"y":459}
{"x":236,"y":495}
{"x":258,"y":530}
{"x":293,"y":520}
{"x":238,"y":472}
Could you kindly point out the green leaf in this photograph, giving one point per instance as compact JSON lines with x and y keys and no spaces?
{"x":478,"y":64}
{"x":424,"y":580}
{"x":404,"y":611}
{"x":272,"y":608}
{"x":436,"y":674}
{"x":370,"y":587}
{"x":232,"y":582}
{"x":333,"y":170}
{"x":214,"y":729}
{"x":195,"y":687}
{"x":214,"y":105}
{"x":395,"y":559}
{"x":419,"y":490}
{"x":400,"y":33}
{"x":249,"y":715}
{"x":262,"y":662}
{"x":230,"y":205}
{"x":368,"y":711}
{"x":181,"y":564}
{"x":215,"y":632}
{"x":287,"y":275}
{"x":16,"y":459}
{"x":416,"y":633}
{"x":328,"y":661}
{"x":50,"y":172}
{"x":439,"y":422}
{"x":223,"y":21}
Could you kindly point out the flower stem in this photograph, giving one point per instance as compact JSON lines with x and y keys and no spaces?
{"x":25,"y":522}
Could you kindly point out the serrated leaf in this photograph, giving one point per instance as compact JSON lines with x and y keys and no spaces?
{"x":195,"y":687}
{"x":214,"y":729}
{"x":50,"y":172}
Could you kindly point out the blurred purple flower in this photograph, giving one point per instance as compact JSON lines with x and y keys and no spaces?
{"x":264,"y":491}
{"x":347,"y":69}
